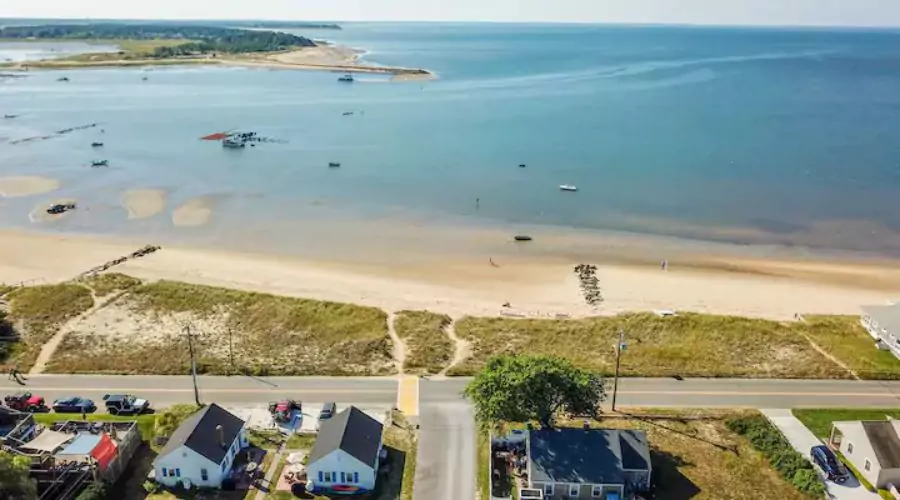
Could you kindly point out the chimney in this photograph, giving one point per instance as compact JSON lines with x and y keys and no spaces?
{"x":220,"y":435}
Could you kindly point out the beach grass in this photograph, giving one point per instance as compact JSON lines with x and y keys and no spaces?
{"x":107,"y":283}
{"x":819,"y":420}
{"x":263,"y":334}
{"x":37,"y":313}
{"x":844,"y":338}
{"x":689,"y":345}
{"x":428,"y":348}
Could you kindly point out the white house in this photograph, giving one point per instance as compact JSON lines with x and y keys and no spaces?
{"x":202,"y":450}
{"x":872,"y":446}
{"x":346,"y":454}
{"x":883,"y":324}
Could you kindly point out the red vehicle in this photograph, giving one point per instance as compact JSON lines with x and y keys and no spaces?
{"x":25,"y":401}
{"x":283,"y":410}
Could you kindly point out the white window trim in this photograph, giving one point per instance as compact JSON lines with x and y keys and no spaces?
{"x":552,"y":489}
{"x":576,"y":487}
{"x":596,"y":490}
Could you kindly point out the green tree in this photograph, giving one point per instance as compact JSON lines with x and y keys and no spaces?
{"x":14,"y":480}
{"x":96,"y":491}
{"x":524,"y":388}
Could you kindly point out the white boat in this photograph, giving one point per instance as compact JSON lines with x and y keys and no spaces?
{"x":233,"y":143}
{"x":567,"y":187}
{"x":348,"y":78}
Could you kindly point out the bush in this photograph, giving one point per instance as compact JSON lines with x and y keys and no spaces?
{"x":778,"y":451}
{"x":96,"y":491}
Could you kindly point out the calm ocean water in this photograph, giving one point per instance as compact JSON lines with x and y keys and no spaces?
{"x":763,"y":136}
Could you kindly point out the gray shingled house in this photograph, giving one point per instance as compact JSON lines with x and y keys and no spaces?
{"x":346,"y":454}
{"x":872,"y":446}
{"x":588,"y":464}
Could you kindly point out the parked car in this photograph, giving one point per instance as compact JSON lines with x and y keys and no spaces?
{"x":328,"y":411}
{"x":74,"y":404}
{"x":125,"y":404}
{"x":25,"y":401}
{"x":824,"y":459}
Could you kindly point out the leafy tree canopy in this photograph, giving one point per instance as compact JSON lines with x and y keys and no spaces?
{"x":526,"y":388}
{"x":14,"y":480}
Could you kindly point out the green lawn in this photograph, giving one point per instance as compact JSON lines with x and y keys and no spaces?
{"x":844,"y":338}
{"x":819,"y":419}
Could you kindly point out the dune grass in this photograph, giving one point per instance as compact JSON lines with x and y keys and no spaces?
{"x":844,"y":338}
{"x":428,"y":348}
{"x":268,"y":335}
{"x":37,"y":312}
{"x":107,"y":283}
{"x":696,"y":345}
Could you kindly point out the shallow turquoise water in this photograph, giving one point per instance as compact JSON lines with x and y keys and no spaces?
{"x":762,"y":136}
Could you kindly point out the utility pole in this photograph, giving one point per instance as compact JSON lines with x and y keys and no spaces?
{"x":620,"y":346}
{"x":187,"y":329}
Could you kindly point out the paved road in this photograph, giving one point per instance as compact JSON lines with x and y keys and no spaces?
{"x":164,"y":391}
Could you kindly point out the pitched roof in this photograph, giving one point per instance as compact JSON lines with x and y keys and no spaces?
{"x":352,"y":431}
{"x":887,"y":317}
{"x":884,"y":440}
{"x":594,"y":456}
{"x":198,"y":432}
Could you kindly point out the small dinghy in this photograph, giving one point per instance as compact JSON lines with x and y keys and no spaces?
{"x":96,"y":144}
{"x":100,"y":163}
{"x":522,"y":237}
{"x":567,"y":187}
{"x":333,"y":164}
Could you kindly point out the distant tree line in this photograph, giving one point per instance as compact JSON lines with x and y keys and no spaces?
{"x":198,"y":39}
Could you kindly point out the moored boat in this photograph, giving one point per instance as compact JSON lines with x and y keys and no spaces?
{"x":348,"y":78}
{"x":96,"y":144}
{"x":334,"y":164}
{"x":522,"y":237}
{"x":567,"y":187}
{"x":99,"y":163}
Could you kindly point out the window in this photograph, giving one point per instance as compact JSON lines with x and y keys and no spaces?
{"x":171,"y":472}
{"x":321,"y":479}
{"x":178,"y":472}
{"x":596,"y":491}
{"x":868,"y":465}
{"x":849,"y":448}
{"x":573,"y":490}
{"x":356,"y":477}
{"x":204,"y":475}
{"x":327,"y":477}
{"x":164,"y":472}
{"x":343,"y":477}
{"x":548,"y":489}
{"x":224,"y":465}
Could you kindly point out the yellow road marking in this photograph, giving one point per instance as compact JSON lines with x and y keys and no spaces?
{"x":408,"y":395}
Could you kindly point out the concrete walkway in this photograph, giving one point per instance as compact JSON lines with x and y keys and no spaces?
{"x":802,"y":439}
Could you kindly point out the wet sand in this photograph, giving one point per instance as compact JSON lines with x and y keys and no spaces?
{"x":144,"y":203}
{"x":194,"y":212}
{"x":26,"y":185}
{"x":534,"y":287}
{"x":39,"y":213}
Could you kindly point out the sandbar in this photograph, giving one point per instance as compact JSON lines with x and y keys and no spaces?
{"x":26,"y":185}
{"x":194,"y":212}
{"x":460,"y":287}
{"x":39,"y":213}
{"x":144,"y":203}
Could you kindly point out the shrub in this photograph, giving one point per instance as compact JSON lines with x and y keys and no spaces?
{"x":96,"y":491}
{"x":778,"y":451}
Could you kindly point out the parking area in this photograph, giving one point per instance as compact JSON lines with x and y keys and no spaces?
{"x":306,"y":421}
{"x":802,"y":439}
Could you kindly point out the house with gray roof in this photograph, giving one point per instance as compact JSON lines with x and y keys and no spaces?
{"x":883,"y":324}
{"x":201,"y":452}
{"x":587,"y":464}
{"x":346,"y":455}
{"x":872,"y":446}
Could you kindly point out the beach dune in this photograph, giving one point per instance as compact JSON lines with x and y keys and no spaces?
{"x":26,"y":185}
{"x":144,"y":203}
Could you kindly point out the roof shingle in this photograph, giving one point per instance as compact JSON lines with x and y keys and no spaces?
{"x":593,"y":456}
{"x":352,"y":431}
{"x":198,"y":432}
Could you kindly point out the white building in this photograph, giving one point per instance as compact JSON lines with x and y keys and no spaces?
{"x":202,"y":450}
{"x":346,"y":454}
{"x":872,"y":446}
{"x":883,"y":324}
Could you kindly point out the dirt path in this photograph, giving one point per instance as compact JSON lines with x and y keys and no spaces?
{"x":399,"y":353}
{"x":50,"y":347}
{"x":462,"y":351}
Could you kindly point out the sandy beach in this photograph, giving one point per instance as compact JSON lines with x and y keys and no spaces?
{"x":534,"y":288}
{"x":144,"y":203}
{"x":26,"y":185}
{"x":195,"y":212}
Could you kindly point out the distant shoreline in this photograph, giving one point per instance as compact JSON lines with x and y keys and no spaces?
{"x":320,"y":58}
